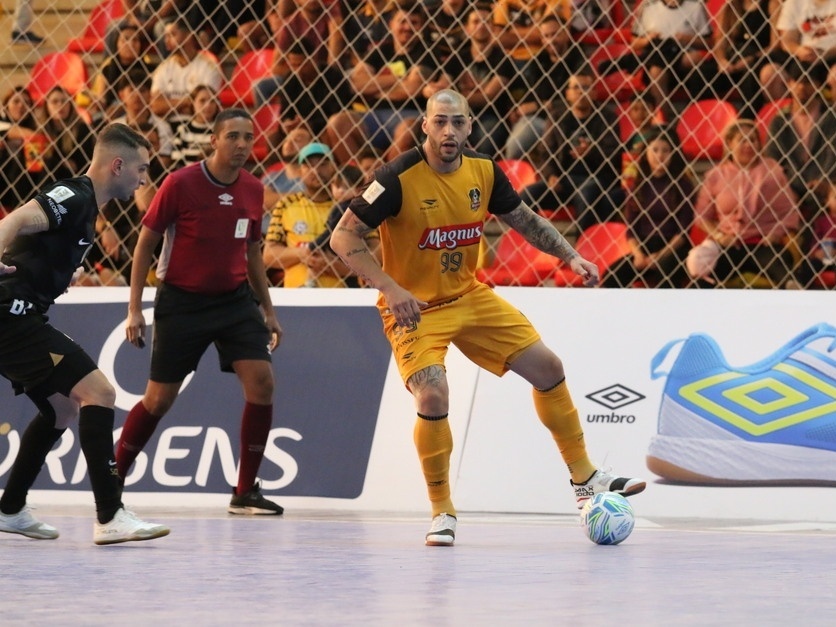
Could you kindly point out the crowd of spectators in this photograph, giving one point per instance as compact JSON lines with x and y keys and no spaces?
{"x":351,"y":80}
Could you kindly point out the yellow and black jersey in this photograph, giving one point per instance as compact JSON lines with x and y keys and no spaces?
{"x":431,"y":223}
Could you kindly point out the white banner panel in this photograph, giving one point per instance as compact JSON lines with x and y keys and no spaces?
{"x":607,"y":340}
{"x":330,"y":381}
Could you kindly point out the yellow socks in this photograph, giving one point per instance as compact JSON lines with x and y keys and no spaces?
{"x":558,"y":413}
{"x":434,"y":443}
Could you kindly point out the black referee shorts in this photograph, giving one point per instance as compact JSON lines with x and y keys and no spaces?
{"x":185,"y":324}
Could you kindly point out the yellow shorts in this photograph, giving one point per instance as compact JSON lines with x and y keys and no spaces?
{"x":486,"y":328}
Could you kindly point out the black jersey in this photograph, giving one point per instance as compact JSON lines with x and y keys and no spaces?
{"x":46,"y":261}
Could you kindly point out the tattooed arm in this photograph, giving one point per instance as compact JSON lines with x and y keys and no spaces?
{"x":541,"y":234}
{"x":348,"y":241}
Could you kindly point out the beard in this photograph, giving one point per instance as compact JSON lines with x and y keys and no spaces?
{"x":446,"y":157}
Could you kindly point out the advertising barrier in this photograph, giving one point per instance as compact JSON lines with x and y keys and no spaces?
{"x":751,"y":395}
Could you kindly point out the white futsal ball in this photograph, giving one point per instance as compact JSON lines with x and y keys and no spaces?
{"x":607,"y":518}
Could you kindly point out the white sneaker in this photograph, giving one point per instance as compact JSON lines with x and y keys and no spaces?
{"x":126,"y":527}
{"x":443,"y":531}
{"x":27,"y":525}
{"x":605,"y":481}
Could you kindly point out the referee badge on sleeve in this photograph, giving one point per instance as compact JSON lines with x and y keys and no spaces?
{"x":241,"y":228}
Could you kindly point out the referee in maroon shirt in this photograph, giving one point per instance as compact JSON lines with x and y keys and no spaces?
{"x":212,"y":290}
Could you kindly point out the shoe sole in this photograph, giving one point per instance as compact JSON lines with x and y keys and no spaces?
{"x":253,"y":511}
{"x":159,"y":534}
{"x":632,"y":491}
{"x":702,"y":461}
{"x":447,"y":542}
{"x":34,"y":536}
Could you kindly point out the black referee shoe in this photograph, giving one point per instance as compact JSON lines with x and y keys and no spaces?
{"x":253,"y":503}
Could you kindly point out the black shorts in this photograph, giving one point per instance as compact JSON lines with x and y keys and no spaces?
{"x":34,"y":354}
{"x":185,"y":324}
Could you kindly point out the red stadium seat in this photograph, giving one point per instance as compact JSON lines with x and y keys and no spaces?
{"x":765,"y":115}
{"x":826,"y":279}
{"x":700,"y":128}
{"x":603,"y":244}
{"x":519,"y":171}
{"x":66,"y":69}
{"x":618,"y":84}
{"x":713,"y":7}
{"x":93,"y":36}
{"x":252,"y":66}
{"x":517,"y":263}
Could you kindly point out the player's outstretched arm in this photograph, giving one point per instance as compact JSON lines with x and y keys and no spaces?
{"x":542,"y":234}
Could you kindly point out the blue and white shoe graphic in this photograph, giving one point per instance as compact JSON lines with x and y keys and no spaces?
{"x":771,"y":423}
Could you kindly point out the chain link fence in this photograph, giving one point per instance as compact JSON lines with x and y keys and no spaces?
{"x":677,"y":143}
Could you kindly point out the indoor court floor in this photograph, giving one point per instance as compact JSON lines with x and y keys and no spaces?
{"x":347,"y":568}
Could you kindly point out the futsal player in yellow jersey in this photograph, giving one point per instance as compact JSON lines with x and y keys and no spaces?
{"x":430,"y":206}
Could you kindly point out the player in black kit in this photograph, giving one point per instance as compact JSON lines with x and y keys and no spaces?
{"x":42,"y":244}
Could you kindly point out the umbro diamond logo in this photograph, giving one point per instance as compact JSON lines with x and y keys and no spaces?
{"x":615,"y":396}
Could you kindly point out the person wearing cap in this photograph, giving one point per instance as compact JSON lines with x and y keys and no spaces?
{"x":299,"y":218}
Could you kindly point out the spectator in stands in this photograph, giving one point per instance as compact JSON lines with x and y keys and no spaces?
{"x":318,"y":23}
{"x":831,"y":84}
{"x":129,"y":56}
{"x":482,"y":71}
{"x":585,"y":16}
{"x":517,"y":21}
{"x":211,"y":22}
{"x":446,"y":26}
{"x":748,"y":54}
{"x":745,"y":205}
{"x":658,"y":212}
{"x":670,"y":38}
{"x":22,"y":147}
{"x":368,"y":160}
{"x":218,"y":23}
{"x":70,"y":136}
{"x":821,"y":253}
{"x":192,"y":141}
{"x":642,"y":114}
{"x":21,"y":24}
{"x":807,"y":29}
{"x":389,"y":83}
{"x":347,"y":184}
{"x":362,"y":29}
{"x":298,"y":219}
{"x":579,"y":153}
{"x":134,"y":91}
{"x":540,"y":80}
{"x":184,"y":69}
{"x":311,"y":94}
{"x":801,"y":139}
{"x":285,"y":177}
{"x":254,"y":35}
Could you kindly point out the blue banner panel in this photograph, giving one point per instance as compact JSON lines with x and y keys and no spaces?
{"x":330,"y":372}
